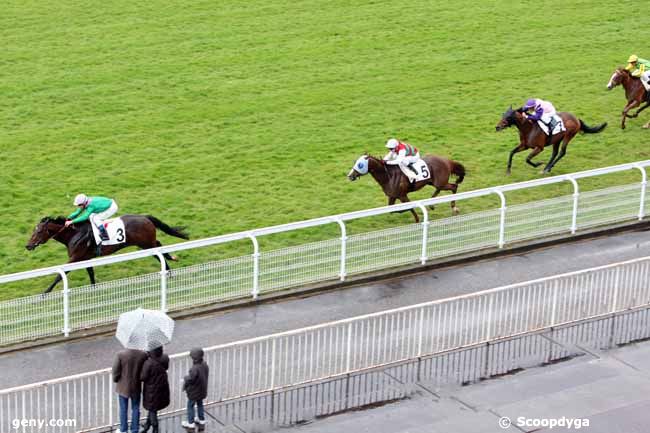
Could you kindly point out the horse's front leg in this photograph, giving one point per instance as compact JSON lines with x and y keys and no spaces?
{"x":56,"y":281}
{"x":532,"y":155}
{"x":405,"y":199}
{"x":627,"y":108}
{"x":517,"y":149}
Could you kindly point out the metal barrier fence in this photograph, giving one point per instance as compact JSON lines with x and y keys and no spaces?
{"x":266,"y":271}
{"x":315,"y":353}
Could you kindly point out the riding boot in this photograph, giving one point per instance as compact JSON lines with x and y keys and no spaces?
{"x":103,"y":234}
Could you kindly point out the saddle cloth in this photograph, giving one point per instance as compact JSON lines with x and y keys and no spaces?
{"x":559,"y":125}
{"x":420,"y":166}
{"x":114,"y":228}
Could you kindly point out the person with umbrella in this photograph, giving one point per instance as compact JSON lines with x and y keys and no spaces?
{"x":142,"y":330}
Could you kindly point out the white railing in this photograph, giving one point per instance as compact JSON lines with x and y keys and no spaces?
{"x":319,"y":352}
{"x":35,"y":316}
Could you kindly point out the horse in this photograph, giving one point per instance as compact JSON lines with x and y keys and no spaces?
{"x":635,"y":93}
{"x":396,"y":184}
{"x":531,"y":136}
{"x":140,"y":231}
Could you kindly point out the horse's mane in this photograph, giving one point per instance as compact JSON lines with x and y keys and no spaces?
{"x":55,"y":220}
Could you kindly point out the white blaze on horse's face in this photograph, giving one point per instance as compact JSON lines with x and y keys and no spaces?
{"x":359,"y":169}
{"x":611,"y":84}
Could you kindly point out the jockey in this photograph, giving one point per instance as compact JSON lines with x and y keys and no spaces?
{"x":95,"y":209}
{"x":640,"y":68}
{"x":544,"y":111}
{"x":403,"y":154}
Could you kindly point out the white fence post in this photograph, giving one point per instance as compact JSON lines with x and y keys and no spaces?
{"x":348,"y":362}
{"x":256,"y":266}
{"x":66,"y":303}
{"x":617,"y":283}
{"x":163,"y":282}
{"x":502,"y":221}
{"x":344,"y":238}
{"x":425,"y":232}
{"x":576,"y":195}
{"x":643,"y":188}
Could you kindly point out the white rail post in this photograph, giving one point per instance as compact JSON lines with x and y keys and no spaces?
{"x":502,"y":222}
{"x":256,"y":266}
{"x":163,"y":282}
{"x":576,"y":196}
{"x":344,"y":238}
{"x":66,"y":303}
{"x":348,"y":362}
{"x":425,"y":233}
{"x":643,"y":187}
{"x":617,"y":279}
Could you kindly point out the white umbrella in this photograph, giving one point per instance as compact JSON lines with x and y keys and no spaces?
{"x":144,"y":329}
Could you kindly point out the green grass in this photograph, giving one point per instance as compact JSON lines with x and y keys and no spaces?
{"x":227,"y":116}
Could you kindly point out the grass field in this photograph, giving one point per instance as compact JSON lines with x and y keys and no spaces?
{"x":227,"y":116}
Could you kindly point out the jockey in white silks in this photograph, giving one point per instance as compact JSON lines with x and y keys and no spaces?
{"x":402,"y":154}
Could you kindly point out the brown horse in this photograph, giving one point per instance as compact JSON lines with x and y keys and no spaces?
{"x":531,"y":136}
{"x":78,"y":238}
{"x":396,"y":185}
{"x":635,"y":93}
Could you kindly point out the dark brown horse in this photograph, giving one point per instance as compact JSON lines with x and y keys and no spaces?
{"x":140,"y":231}
{"x":531,"y":136}
{"x":396,"y":185}
{"x":635,"y":93}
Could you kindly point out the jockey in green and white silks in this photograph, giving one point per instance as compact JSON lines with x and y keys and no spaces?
{"x":639,"y":67}
{"x":402,"y":154}
{"x":95,"y":209}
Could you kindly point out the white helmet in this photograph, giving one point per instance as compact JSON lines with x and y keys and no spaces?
{"x":80,"y":199}
{"x":392,"y":143}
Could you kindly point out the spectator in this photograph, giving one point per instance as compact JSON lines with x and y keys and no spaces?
{"x":126,"y":374}
{"x":155,"y":392}
{"x":196,"y":386}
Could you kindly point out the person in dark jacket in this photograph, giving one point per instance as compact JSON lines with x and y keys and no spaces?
{"x":155,"y":391}
{"x":126,"y":374}
{"x":196,"y":386}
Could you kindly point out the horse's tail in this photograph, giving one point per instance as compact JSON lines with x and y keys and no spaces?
{"x":591,"y":129}
{"x":172,"y":231}
{"x":458,"y":169}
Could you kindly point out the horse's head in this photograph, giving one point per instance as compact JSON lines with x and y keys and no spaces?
{"x":508,"y":119}
{"x":617,"y":78}
{"x":44,"y":230}
{"x":359,"y":168}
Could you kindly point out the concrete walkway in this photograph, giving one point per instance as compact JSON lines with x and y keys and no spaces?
{"x":64,"y":359}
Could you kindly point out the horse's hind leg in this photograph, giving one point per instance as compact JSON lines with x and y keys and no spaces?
{"x":453,"y":187}
{"x":91,"y":275}
{"x":565,"y":143}
{"x":549,"y":165}
{"x":435,"y":193}
{"x":167,"y":255}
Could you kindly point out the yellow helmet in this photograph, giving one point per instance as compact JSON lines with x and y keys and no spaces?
{"x":633,"y":58}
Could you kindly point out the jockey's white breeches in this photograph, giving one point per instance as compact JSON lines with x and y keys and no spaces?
{"x":645,"y":80}
{"x":404,"y":163}
{"x":546,"y":117}
{"x":98,"y":218}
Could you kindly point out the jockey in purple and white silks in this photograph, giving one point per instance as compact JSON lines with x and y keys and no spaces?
{"x":544,"y":111}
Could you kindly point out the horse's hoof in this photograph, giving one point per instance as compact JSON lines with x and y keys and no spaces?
{"x":174,"y":258}
{"x":507,"y":172}
{"x":455,"y":211}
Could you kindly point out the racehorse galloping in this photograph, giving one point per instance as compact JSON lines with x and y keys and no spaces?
{"x":396,"y":185}
{"x":531,"y":136}
{"x":635,"y":93}
{"x":78,"y":238}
